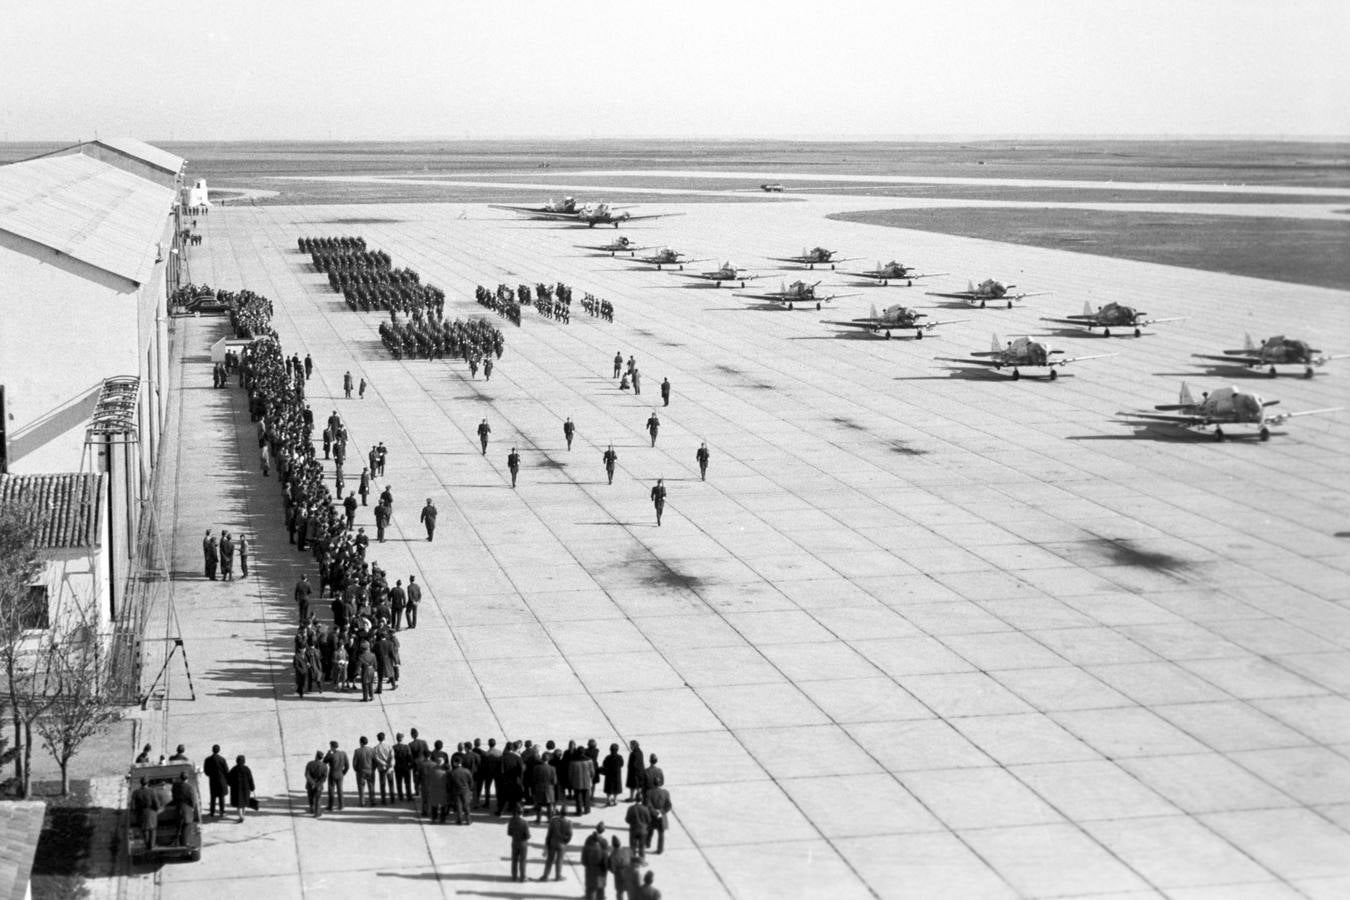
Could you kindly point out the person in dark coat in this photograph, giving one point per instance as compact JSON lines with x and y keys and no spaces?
{"x":622,"y":866}
{"x":665,"y":391}
{"x":381,"y":521}
{"x":612,"y":769}
{"x":414,"y":599}
{"x":636,"y":781}
{"x":429,"y":518}
{"x":653,"y":426}
{"x":420,"y":750}
{"x":145,"y":807}
{"x":513,"y":465}
{"x":569,"y":431}
{"x":659,"y":499}
{"x":519,"y":831}
{"x":595,"y":860}
{"x":484,"y":430}
{"x":367,"y":665}
{"x":510,"y":775}
{"x":338,"y":766}
{"x":226,"y":556}
{"x":702,"y":456}
{"x":210,"y":554}
{"x":658,"y":801}
{"x":461,"y":790}
{"x":241,"y":786}
{"x":217,"y":771}
{"x":654,"y":777}
{"x":610,"y":458}
{"x":300,"y":665}
{"x":639,"y":819}
{"x":436,"y":784}
{"x":555,"y":845}
{"x":543,"y":789}
{"x":403,"y":767}
{"x":316,"y":775}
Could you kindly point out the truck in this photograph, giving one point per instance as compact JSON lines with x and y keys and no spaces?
{"x":167,"y":843}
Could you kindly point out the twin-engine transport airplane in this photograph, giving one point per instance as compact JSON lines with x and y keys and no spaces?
{"x":816,"y":256}
{"x":985,"y":292}
{"x":588,"y":215}
{"x":1224,"y":406}
{"x":1275,"y":351}
{"x":895,"y":317}
{"x":1023,"y":353}
{"x":667,"y":257}
{"x":620,"y":244}
{"x":893,"y":271}
{"x":727,"y":272}
{"x":798,"y":292}
{"x":1112,"y":315}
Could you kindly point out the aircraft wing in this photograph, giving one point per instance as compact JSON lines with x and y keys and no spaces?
{"x":954,"y":295}
{"x":537,"y":213}
{"x":1071,"y":359}
{"x":714,"y":276}
{"x":1281,"y":417}
{"x":928,"y":326}
{"x":1168,"y":319}
{"x":834,"y":297}
{"x":971,"y":360}
{"x":856,"y":323}
{"x":1072,"y":320}
{"x":600,"y":249}
{"x":652,"y":216}
{"x":1231,"y":359}
{"x":1164,"y":417}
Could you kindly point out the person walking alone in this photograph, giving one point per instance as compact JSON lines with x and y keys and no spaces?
{"x":241,"y":787}
{"x":653,"y":426}
{"x":513,"y":463}
{"x":618,"y":364}
{"x":429,"y":518}
{"x":347,"y":384}
{"x":569,"y":431}
{"x":702,"y":457}
{"x":659,"y":499}
{"x":610,"y":458}
{"x":484,"y":429}
{"x":665,"y":391}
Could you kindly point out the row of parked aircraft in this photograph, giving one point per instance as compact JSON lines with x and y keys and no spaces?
{"x":1226,"y":406}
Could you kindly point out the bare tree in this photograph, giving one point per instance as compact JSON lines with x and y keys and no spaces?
{"x":79,"y":704}
{"x":20,"y":566}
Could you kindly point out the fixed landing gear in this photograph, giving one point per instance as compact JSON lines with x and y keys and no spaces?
{"x":1138,"y":333}
{"x":789,"y":307}
{"x":981,"y":304}
{"x":1218,"y":435}
{"x":681,"y":267}
{"x":817,"y":306}
{"x":1308,"y":372}
{"x":1106,"y":332}
{"x":888,"y":334}
{"x":1271,"y":373}
{"x":831,"y":267}
{"x":1017,"y":376}
{"x":742,"y":285}
{"x":1009,"y":304}
{"x":918,"y":335}
{"x":1264,"y":433}
{"x":1054,"y":374}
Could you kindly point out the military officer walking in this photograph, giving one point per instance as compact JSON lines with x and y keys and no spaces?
{"x":569,"y":430}
{"x":665,"y":391}
{"x":659,"y":499}
{"x":484,"y":429}
{"x":513,"y":463}
{"x":610,"y":459}
{"x":653,"y":426}
{"x":702,"y":457}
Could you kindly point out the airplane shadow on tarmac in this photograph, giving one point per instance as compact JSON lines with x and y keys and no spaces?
{"x":1161,"y":432}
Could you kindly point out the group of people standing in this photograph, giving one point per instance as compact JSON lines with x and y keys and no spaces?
{"x":439,"y":781}
{"x":220,"y":554}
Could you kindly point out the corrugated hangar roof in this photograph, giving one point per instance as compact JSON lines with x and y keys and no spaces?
{"x":64,"y":507}
{"x":161,"y":159}
{"x":88,"y":210}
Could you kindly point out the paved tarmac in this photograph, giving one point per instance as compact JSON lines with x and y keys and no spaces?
{"x":923,"y":632}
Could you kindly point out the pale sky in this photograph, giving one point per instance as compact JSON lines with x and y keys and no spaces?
{"x":388,"y":69}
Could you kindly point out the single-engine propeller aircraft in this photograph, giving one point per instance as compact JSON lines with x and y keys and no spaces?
{"x":893,"y":271}
{"x":620,"y":244}
{"x":1112,"y":315}
{"x":987,"y":291}
{"x":1275,"y":351}
{"x":816,"y":256}
{"x":1023,"y":353}
{"x":1224,"y":406}
{"x":798,"y":292}
{"x":727,"y":272}
{"x":667,"y":257}
{"x":895,"y":318}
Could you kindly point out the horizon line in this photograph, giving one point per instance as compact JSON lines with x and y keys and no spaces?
{"x":943,"y":138}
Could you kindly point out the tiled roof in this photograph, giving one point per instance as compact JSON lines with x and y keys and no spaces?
{"x":147,"y":153}
{"x":88,"y":210}
{"x":65,"y":507}
{"x":20,"y":827}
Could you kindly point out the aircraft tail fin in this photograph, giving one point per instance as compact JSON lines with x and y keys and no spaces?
{"x":996,"y":345}
{"x":1186,"y":399}
{"x":1087,"y":307}
{"x":1247,"y":343}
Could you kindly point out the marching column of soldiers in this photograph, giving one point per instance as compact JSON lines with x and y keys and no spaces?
{"x":435,"y":338}
{"x":601,"y":309}
{"x":502,"y":302}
